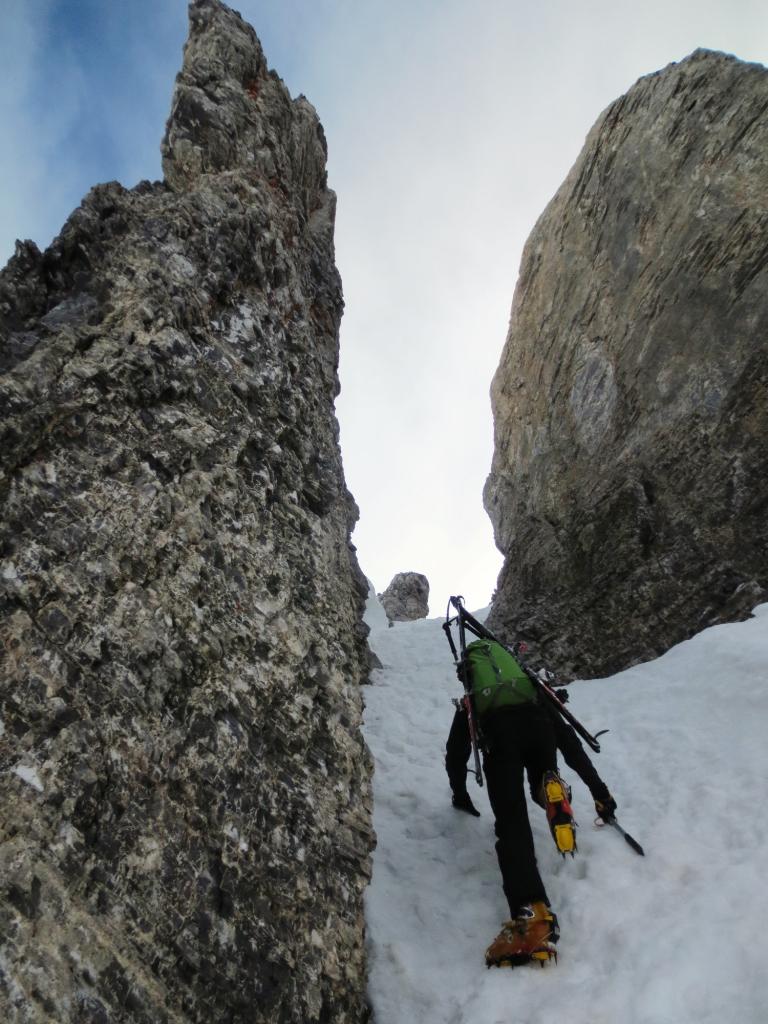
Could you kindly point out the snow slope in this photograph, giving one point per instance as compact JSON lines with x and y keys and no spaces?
{"x":678,"y":936}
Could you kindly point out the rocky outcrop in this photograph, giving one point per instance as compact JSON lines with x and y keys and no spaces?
{"x":628,"y":487}
{"x":406,"y":597}
{"x":186,"y":807}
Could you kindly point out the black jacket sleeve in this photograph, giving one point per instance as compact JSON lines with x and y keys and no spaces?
{"x":575,"y":756}
{"x":457,"y":751}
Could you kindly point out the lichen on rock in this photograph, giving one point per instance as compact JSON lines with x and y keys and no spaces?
{"x":628,"y":483}
{"x":186,"y":832}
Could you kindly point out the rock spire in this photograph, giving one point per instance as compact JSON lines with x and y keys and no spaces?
{"x":186,"y":830}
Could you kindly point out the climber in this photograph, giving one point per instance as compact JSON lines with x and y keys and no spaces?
{"x":519,"y":732}
{"x":515,"y":738}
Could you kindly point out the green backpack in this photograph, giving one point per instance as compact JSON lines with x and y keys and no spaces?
{"x":496,"y":679}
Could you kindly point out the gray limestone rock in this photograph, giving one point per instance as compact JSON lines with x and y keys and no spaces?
{"x":630,"y":476}
{"x":406,"y":597}
{"x":186,"y":829}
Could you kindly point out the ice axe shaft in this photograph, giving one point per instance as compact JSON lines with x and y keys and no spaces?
{"x":466,"y":700}
{"x":632,"y":842}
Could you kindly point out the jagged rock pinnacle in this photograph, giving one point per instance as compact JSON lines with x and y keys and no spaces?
{"x":186,"y":827}
{"x":230,"y":113}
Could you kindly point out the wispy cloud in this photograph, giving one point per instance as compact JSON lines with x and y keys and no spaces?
{"x":31,"y":134}
{"x":83,"y":99}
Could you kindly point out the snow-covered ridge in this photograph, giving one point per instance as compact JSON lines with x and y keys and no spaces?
{"x":677,"y":937}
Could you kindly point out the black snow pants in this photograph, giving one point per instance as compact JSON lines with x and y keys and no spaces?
{"x":517,"y":739}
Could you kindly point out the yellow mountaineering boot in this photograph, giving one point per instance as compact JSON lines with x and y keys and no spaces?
{"x":557,"y":800}
{"x":529,"y":937}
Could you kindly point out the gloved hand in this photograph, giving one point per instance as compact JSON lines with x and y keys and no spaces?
{"x":462,"y":802}
{"x":606,"y":808}
{"x":563,"y":695}
{"x":460,"y":666}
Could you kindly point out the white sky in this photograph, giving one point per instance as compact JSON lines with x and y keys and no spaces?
{"x":450,"y":125}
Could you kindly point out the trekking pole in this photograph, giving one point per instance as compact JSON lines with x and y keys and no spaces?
{"x":466,"y":700}
{"x":485,"y":634}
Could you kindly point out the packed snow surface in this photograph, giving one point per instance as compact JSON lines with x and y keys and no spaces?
{"x":679,"y":936}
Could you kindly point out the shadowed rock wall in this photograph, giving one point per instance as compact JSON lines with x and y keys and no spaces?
{"x":186,"y":807}
{"x":628,"y":486}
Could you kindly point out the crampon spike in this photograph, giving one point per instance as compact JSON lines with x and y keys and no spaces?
{"x":541,"y":957}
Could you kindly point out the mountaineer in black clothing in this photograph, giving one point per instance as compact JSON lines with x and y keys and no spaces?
{"x":519,"y":734}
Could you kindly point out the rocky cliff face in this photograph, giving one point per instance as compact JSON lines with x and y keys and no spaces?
{"x":628,"y":487}
{"x":406,"y":597}
{"x":186,"y":808}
